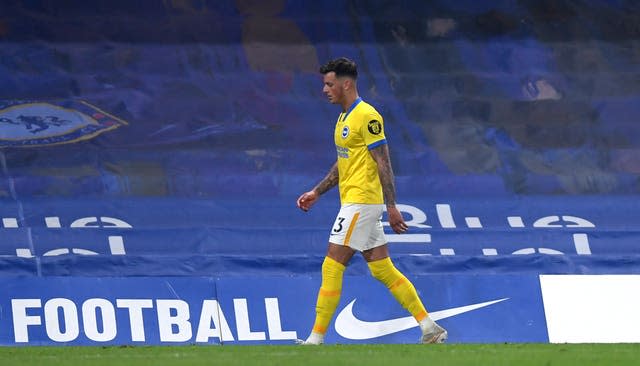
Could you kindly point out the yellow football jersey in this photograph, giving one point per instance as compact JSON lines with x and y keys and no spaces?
{"x":358,"y":130}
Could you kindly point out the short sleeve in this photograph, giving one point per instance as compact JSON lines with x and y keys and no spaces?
{"x":373,"y":130}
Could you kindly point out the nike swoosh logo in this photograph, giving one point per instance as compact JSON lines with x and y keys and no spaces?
{"x":350,"y":327}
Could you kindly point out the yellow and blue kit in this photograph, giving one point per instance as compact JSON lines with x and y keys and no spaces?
{"x":358,"y":130}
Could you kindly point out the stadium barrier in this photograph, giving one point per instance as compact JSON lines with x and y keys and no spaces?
{"x":278,"y":310}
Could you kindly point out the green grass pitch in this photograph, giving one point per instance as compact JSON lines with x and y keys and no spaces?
{"x":329,"y":355}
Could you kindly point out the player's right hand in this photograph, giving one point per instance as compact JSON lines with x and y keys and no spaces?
{"x":306,"y":200}
{"x":396,"y":221}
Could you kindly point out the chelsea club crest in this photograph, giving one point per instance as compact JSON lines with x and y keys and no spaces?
{"x":24,"y":124}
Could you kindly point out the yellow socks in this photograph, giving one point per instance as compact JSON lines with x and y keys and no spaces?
{"x":383,"y":270}
{"x":329,"y":294}
{"x":401,"y":288}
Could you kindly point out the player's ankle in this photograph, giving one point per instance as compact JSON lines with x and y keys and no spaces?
{"x":427,"y":325}
{"x":315,"y":338}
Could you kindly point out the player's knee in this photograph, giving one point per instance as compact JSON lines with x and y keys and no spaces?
{"x":332,"y":273}
{"x":383,"y":270}
{"x":377,"y":273}
{"x":332,"y":268}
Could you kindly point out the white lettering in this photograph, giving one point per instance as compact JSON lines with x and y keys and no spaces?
{"x":93,"y":222}
{"x":116,"y":245}
{"x":547,"y":221}
{"x":166,"y":321}
{"x":581,"y":242}
{"x":90,"y":320}
{"x":62,"y":251}
{"x":212,"y":312}
{"x":52,"y":222}
{"x":273,"y":321}
{"x":577,"y":221}
{"x":9,"y":222}
{"x":114,"y":222}
{"x":418,"y":217}
{"x":445,"y":216}
{"x":555,"y":221}
{"x":21,"y":320}
{"x":136,"y":320}
{"x":24,"y":253}
{"x":69,"y":320}
{"x":540,"y":250}
{"x":243,"y":324}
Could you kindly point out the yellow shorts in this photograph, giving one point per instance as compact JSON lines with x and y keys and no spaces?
{"x":358,"y":226}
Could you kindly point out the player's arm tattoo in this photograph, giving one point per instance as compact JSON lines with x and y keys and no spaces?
{"x":330,"y":181}
{"x":381,"y":155}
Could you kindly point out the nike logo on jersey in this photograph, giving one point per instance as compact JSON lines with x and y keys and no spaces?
{"x":350,"y":327}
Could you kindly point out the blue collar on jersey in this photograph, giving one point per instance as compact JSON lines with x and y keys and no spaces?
{"x":355,"y":103}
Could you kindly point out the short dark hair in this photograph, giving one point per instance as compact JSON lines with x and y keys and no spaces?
{"x":341,"y":66}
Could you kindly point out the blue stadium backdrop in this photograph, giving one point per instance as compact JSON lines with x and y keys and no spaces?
{"x":151,"y":153}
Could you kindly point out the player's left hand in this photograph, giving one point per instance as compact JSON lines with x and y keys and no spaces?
{"x":396,"y":220}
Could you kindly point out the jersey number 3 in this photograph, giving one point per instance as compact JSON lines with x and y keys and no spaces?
{"x":338,"y":226}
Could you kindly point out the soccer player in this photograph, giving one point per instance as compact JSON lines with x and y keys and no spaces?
{"x":365,"y":178}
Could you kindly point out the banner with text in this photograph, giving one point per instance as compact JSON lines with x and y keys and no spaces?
{"x":273,"y":310}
